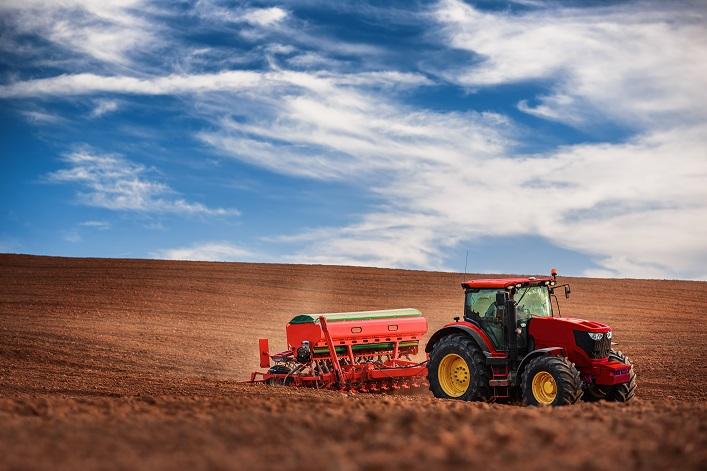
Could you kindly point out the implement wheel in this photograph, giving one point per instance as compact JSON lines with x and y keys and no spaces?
{"x":280,"y":370}
{"x":551,"y":381}
{"x":456,"y":369}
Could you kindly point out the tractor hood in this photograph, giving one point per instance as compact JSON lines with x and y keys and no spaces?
{"x":571,"y":334}
{"x":556,"y":328}
{"x":576,"y":324}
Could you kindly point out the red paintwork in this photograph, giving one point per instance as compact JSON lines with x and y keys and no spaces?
{"x":379,"y":368}
{"x":363,"y":377}
{"x":358,"y":332}
{"x":607,"y":372}
{"x":483,"y":335}
{"x":500,"y":283}
{"x":559,"y":332}
{"x":264,"y":355}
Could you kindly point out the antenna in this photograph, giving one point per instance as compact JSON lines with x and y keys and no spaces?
{"x":466,"y":261}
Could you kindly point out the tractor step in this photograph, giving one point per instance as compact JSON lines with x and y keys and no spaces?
{"x":495,"y":383}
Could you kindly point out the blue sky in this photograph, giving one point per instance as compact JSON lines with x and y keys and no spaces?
{"x":393,"y":134}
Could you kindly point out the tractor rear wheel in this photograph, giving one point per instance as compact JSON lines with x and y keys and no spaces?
{"x":551,"y":381}
{"x":456,"y":369}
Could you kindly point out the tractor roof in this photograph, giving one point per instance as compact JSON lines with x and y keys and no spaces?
{"x":506,"y":282}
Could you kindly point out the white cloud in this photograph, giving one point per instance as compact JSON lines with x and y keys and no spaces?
{"x":439,"y":179}
{"x":98,"y":225}
{"x":226,"y":81}
{"x":338,"y":134}
{"x":636,"y":212}
{"x":555,"y":108}
{"x":72,"y":237}
{"x":41,"y":117}
{"x":394,"y":238}
{"x":311,"y":60}
{"x":259,"y":18}
{"x":643,"y":63}
{"x":115,"y":183}
{"x":104,"y":106}
{"x":83,"y":84}
{"x":280,"y":26}
{"x":264,"y":16}
{"x":107,"y":31}
{"x":208,"y":251}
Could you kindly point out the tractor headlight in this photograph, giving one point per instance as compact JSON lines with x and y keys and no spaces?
{"x":595,"y":335}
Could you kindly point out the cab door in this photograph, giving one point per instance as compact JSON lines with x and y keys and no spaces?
{"x":480,"y":307}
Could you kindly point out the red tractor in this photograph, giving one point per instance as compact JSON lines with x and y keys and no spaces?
{"x":512,"y":345}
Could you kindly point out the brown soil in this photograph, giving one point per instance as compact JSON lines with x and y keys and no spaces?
{"x":125,"y":363}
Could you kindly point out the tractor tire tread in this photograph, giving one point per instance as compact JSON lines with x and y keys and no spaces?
{"x":626,"y":391}
{"x":567,"y":377}
{"x":466,"y":347}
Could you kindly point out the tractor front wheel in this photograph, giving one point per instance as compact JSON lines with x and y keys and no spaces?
{"x":456,"y":369}
{"x":551,"y":381}
{"x":623,"y":392}
{"x":619,"y":392}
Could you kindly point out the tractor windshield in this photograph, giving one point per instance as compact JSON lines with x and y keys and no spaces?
{"x":533,"y":301}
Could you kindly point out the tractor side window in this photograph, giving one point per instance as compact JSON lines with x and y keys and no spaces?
{"x":481,"y":307}
{"x":481,"y":304}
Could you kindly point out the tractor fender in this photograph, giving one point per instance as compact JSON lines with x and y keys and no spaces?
{"x":537,"y":353}
{"x":466,"y":328}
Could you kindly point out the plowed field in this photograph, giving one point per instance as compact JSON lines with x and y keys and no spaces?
{"x":117,"y":364}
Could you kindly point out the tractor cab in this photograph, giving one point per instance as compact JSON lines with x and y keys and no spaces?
{"x":531,"y":296}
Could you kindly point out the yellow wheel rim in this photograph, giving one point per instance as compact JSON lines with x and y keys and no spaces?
{"x":544,"y":388}
{"x":453,"y":374}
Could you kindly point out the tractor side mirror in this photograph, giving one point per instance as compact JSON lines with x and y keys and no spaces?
{"x":567,"y":291}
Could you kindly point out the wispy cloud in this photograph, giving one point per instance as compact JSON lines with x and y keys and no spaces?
{"x":115,"y":183}
{"x":219,"y":11}
{"x":41,"y":117}
{"x":72,"y":237}
{"x":227,"y":81}
{"x":98,"y":225}
{"x":104,"y":106}
{"x":338,"y":133}
{"x":642,"y":63}
{"x":264,"y":16}
{"x":207,"y":251}
{"x":586,"y":198}
{"x":84,"y":84}
{"x":106,"y":31}
{"x":281,"y":26}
